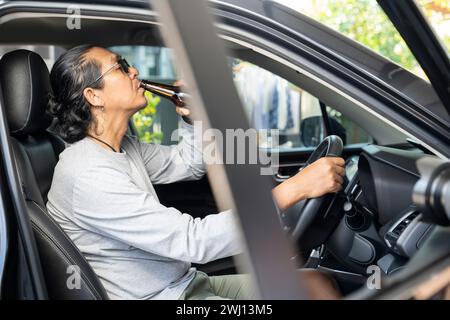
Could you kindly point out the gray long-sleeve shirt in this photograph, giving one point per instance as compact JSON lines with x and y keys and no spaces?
{"x":107,"y":205}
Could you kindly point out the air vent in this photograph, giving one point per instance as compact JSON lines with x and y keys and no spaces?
{"x":394,"y":233}
{"x":356,"y":190}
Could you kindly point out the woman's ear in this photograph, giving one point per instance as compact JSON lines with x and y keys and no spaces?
{"x":92,"y":96}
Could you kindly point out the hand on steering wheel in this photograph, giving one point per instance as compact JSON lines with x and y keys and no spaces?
{"x":302,"y":215}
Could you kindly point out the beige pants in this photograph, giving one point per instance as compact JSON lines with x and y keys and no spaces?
{"x":233,"y":286}
{"x":239,"y":286}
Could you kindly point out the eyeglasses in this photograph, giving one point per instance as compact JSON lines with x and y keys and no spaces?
{"x":122,"y":63}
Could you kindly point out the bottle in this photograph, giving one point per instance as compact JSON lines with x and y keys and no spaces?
{"x":173,"y":93}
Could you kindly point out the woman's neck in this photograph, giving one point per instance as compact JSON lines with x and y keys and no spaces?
{"x":111,"y":131}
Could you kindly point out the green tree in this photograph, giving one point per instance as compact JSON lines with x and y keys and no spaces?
{"x":143,"y":120}
{"x":365,"y":22}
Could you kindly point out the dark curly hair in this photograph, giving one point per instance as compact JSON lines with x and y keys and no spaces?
{"x":70,"y":75}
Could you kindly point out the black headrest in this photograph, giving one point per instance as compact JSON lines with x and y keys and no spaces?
{"x":25,"y":84}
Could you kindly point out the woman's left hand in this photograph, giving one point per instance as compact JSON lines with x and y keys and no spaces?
{"x":184,"y":112}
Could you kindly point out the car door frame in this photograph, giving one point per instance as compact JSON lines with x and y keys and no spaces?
{"x":423,"y":43}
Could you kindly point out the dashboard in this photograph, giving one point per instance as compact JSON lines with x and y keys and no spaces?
{"x":379,"y":224}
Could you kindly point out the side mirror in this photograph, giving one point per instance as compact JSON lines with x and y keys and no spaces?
{"x":312,"y":130}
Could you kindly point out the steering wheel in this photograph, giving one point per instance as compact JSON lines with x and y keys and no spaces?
{"x":302,"y":214}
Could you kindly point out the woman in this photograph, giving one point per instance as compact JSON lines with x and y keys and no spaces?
{"x":102,"y":194}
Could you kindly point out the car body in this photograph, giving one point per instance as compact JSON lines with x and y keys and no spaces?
{"x":375,"y":223}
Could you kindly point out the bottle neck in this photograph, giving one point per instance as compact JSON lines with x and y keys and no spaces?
{"x":172,"y":93}
{"x":154,"y":84}
{"x":158,"y":89}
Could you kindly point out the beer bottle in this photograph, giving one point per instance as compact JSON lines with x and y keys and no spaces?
{"x":173,"y":93}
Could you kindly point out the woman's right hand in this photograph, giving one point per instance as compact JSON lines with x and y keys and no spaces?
{"x":323,"y":176}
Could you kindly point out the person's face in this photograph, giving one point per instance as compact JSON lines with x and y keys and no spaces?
{"x":120,"y":91}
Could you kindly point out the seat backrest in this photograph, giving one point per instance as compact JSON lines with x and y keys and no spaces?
{"x":25,"y":85}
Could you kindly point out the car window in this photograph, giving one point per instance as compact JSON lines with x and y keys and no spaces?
{"x":364,"y":22}
{"x":285,"y":115}
{"x":347,"y":129}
